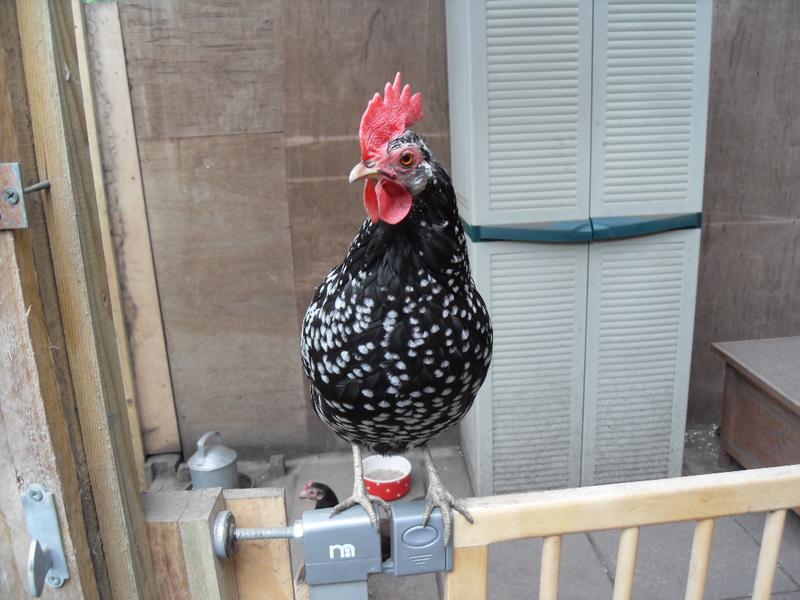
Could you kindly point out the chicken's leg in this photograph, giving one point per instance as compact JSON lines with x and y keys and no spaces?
{"x":360,"y":492}
{"x":439,"y":496}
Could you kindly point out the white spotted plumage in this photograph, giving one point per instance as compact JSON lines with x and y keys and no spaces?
{"x":397,"y":340}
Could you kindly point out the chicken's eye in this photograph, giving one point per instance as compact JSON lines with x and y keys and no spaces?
{"x":407,"y":159}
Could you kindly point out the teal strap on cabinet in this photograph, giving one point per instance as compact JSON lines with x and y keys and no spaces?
{"x":614,"y":228}
{"x":553,"y":231}
{"x":600,"y":228}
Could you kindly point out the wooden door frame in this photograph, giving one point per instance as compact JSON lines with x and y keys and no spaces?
{"x":64,"y":413}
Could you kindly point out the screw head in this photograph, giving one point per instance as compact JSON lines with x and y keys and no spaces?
{"x":35,"y":495}
{"x":54,"y":580}
{"x":10,"y":196}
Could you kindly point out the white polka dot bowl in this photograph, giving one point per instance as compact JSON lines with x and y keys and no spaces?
{"x":387,"y":477}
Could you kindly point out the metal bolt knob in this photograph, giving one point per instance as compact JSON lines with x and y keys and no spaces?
{"x":226,"y":536}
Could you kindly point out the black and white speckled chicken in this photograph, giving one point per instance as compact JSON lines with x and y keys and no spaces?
{"x":397,"y":341}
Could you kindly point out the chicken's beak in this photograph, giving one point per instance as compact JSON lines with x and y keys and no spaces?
{"x":360,"y":171}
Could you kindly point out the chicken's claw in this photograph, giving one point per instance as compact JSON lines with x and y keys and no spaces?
{"x":364,"y":500}
{"x":360,"y":495}
{"x":438,"y":496}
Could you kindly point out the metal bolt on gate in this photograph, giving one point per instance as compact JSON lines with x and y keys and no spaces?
{"x":341,"y":552}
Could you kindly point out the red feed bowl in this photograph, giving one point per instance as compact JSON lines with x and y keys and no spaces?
{"x":387,"y":477}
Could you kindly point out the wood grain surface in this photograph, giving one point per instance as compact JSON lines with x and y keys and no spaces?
{"x":162,"y":513}
{"x":130,"y":231}
{"x":246,"y":117}
{"x":203,"y":67}
{"x":749,"y":281}
{"x":220,"y":232}
{"x":34,"y":440}
{"x":769,"y":364}
{"x":109,"y":251}
{"x":16,"y":144}
{"x":261,"y":564}
{"x":209,"y":577}
{"x":58,"y":125}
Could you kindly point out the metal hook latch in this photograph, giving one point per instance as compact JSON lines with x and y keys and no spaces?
{"x":47,"y":562}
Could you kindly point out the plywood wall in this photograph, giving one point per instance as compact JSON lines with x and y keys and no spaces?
{"x":246,"y":116}
{"x":749,"y":283}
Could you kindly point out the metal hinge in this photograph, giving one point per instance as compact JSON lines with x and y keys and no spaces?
{"x":13,"y":213}
{"x":47,"y":562}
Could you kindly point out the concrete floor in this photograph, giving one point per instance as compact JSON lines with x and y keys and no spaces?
{"x":588,"y":560}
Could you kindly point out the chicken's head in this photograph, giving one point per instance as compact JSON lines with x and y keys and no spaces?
{"x":394,"y":160}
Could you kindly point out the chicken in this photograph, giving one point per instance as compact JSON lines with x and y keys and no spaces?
{"x":325,"y":497}
{"x":396,"y":341}
{"x":322,"y":495}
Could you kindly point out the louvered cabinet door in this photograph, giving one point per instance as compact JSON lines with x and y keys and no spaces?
{"x":638,"y":349}
{"x":525,"y":430}
{"x":649,"y":105}
{"x":520,"y":89}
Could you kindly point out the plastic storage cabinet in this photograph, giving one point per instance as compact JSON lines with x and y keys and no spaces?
{"x":578,"y":143}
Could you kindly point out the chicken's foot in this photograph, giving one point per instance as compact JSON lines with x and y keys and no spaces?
{"x":360,"y":495}
{"x":438,"y":496}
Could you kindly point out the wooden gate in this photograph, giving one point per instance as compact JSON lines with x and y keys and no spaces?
{"x":626,"y":506}
{"x":179,"y":527}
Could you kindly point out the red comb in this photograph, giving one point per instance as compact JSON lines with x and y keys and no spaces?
{"x":388,"y":117}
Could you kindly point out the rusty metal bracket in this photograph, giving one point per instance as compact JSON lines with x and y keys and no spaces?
{"x":13,"y":214}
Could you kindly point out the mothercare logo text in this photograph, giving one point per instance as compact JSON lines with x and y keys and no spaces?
{"x":343,"y":550}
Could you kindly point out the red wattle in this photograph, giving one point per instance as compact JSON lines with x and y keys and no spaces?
{"x":394,"y":202}
{"x":371,"y":200}
{"x":386,"y":201}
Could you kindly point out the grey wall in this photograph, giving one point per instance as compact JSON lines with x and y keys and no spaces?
{"x":750,"y":258}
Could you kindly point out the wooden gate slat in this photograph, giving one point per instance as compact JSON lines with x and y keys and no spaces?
{"x":626,"y":563}
{"x":768,"y":557}
{"x":551,"y":561}
{"x":470,"y":575}
{"x":701,"y":555}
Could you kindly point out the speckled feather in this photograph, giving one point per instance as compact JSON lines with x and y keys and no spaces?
{"x":397,"y":341}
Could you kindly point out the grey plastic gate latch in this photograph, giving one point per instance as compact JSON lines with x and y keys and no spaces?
{"x":418,"y":549}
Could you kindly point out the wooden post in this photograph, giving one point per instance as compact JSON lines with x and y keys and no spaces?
{"x":34,"y":440}
{"x":60,"y":463}
{"x":264,"y":564}
{"x":470,"y":575}
{"x":209,"y":578}
{"x":130,"y":230}
{"x":60,"y":143}
{"x":180,"y":528}
{"x":121,"y":335}
{"x":162,"y":512}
